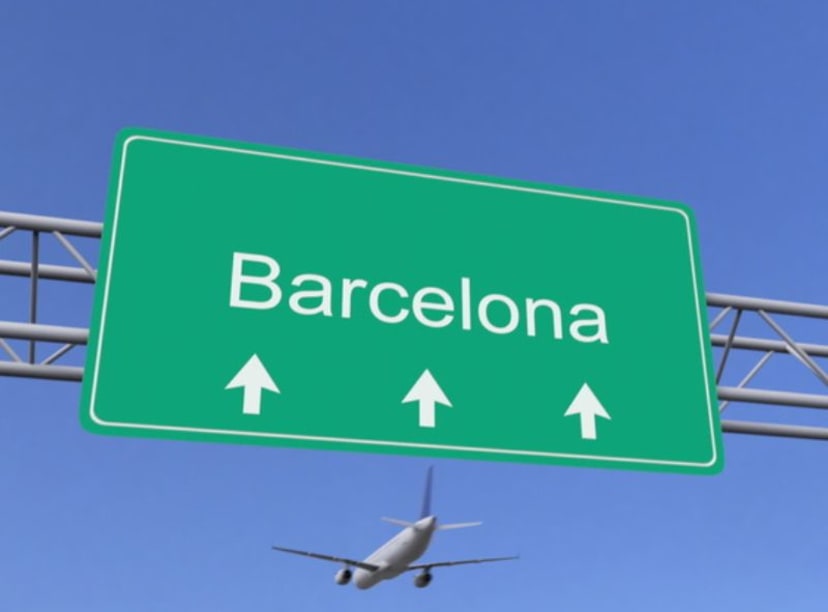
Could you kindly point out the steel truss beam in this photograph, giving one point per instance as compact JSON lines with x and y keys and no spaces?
{"x":727,"y":305}
{"x":783,"y":343}
{"x":29,"y":365}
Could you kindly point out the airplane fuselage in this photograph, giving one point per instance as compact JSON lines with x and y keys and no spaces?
{"x":394,"y":557}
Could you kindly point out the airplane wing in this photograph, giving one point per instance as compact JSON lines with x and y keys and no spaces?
{"x":428,"y":566}
{"x":360,"y":564}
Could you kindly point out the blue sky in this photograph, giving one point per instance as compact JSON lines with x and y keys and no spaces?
{"x":717,"y":105}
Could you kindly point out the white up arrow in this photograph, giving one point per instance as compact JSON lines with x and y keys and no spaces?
{"x":588,"y":407}
{"x":253,"y":377}
{"x":427,"y":392}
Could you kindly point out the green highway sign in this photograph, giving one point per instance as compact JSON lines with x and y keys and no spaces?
{"x":262,"y":295}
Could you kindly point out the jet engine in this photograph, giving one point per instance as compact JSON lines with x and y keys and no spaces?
{"x":422,"y":580}
{"x":343,"y":576}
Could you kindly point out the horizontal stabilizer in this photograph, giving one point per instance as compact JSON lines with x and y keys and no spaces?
{"x":396,"y":521}
{"x":459,"y":525}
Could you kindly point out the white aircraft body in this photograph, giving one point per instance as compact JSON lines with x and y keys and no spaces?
{"x":399,"y":553}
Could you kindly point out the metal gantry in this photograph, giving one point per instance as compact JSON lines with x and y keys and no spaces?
{"x":723,"y":308}
{"x":781,"y":342}
{"x":32,"y":331}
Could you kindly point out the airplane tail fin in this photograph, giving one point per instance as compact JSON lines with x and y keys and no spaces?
{"x":459,"y":525}
{"x":426,"y":510}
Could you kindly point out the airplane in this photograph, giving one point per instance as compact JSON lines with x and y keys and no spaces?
{"x":398,"y":554}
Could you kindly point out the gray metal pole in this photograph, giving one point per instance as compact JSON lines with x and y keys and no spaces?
{"x":40,"y":223}
{"x":45,"y":271}
{"x":775,"y":429}
{"x":778,"y":398}
{"x":776,"y":306}
{"x":48,"y":372}
{"x":33,"y":302}
{"x":48,"y":333}
{"x":761,"y":344}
